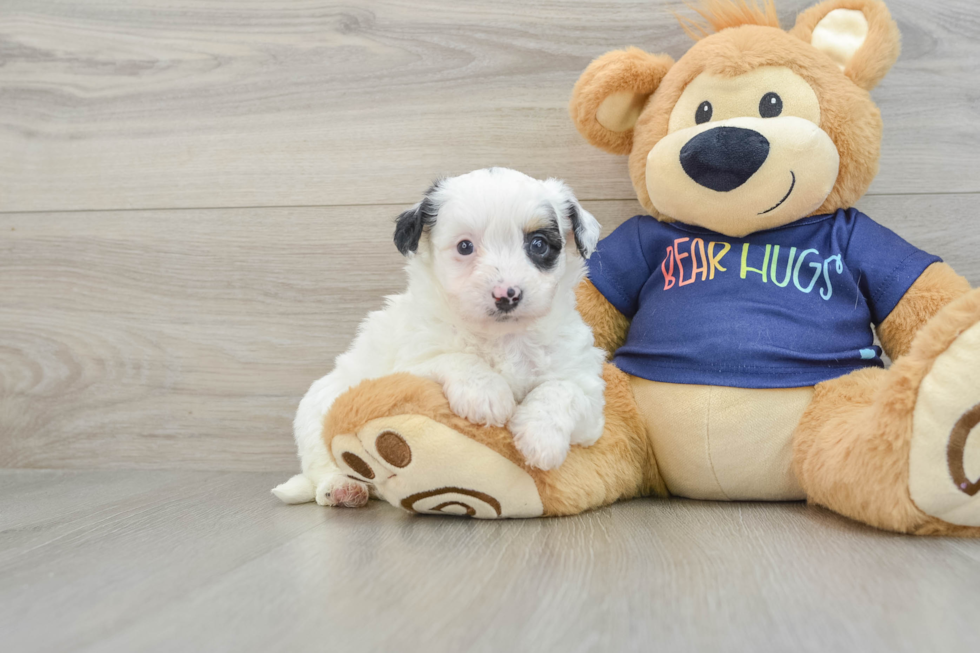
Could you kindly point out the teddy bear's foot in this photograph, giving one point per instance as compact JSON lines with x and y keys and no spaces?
{"x":899,"y":449}
{"x":399,"y":435}
{"x":424,"y":466}
{"x":944,"y":456}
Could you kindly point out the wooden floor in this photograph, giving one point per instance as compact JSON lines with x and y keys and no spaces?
{"x":197,"y":561}
{"x":196,"y":204}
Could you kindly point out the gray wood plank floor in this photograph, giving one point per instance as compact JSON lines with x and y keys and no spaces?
{"x":197,"y":561}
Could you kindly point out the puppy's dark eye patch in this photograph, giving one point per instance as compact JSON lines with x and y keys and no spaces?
{"x":543,"y":247}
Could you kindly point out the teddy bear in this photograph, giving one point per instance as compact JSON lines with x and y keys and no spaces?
{"x":740,"y":314}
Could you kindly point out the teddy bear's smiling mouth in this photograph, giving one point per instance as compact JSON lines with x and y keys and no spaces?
{"x":785,"y":197}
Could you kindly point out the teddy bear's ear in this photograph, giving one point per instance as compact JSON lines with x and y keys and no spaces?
{"x":611,"y":93}
{"x":858,"y":35}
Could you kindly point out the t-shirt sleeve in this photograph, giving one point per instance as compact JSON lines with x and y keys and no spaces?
{"x":618,"y":268}
{"x":886,"y":263}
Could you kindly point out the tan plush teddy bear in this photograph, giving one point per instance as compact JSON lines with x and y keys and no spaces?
{"x":740,"y":310}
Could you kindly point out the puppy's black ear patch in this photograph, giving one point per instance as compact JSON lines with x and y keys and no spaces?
{"x":576,"y":219}
{"x":408,"y":229}
{"x":585,"y":228}
{"x":410,"y":225}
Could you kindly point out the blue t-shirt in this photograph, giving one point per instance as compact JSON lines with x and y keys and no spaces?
{"x":782,"y":308}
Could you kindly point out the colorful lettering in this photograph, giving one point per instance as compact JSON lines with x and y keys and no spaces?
{"x":705,"y":261}
{"x":703,"y":269}
{"x":826,"y":276}
{"x":775,"y":265}
{"x":765,"y":264}
{"x":715,"y":261}
{"x":677,"y":257}
{"x":669,"y":280}
{"x":817,"y":267}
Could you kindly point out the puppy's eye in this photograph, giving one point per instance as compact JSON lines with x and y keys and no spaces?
{"x":543,"y":248}
{"x":538,"y":246}
{"x":770,"y":106}
{"x":704,"y":112}
{"x":465,"y":247}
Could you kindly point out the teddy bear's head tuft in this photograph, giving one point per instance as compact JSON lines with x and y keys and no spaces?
{"x":717,"y":15}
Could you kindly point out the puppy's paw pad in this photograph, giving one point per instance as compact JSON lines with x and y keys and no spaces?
{"x":342,"y":492}
{"x":350,"y":495}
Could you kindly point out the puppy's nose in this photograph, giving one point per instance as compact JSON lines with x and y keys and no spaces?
{"x":506,"y":297}
{"x":724,"y":158}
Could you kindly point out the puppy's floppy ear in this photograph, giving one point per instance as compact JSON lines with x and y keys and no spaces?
{"x":410,"y":225}
{"x":859,"y":35}
{"x":611,"y":93}
{"x":585,"y":228}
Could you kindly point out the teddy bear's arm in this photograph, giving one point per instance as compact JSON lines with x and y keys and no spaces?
{"x":609,"y":326}
{"x":936,"y":287}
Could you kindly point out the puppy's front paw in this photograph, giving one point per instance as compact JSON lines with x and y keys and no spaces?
{"x":482,"y":399}
{"x":543,"y":443}
{"x":342,"y":491}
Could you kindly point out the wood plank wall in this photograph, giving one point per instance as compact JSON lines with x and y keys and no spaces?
{"x":196,"y":196}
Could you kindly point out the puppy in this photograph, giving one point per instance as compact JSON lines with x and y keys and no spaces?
{"x":494,"y":257}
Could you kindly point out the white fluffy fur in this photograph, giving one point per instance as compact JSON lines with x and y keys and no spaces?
{"x":534,"y":369}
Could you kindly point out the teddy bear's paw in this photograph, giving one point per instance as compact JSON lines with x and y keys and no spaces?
{"x":944,"y":462}
{"x":542,"y":441}
{"x":482,"y":399}
{"x":424,"y":466}
{"x":341,"y":491}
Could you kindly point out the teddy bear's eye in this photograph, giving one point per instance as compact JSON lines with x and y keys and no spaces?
{"x":770,"y":106}
{"x":704,"y":112}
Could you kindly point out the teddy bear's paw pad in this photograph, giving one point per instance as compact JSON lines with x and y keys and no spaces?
{"x":455,"y":501}
{"x":424,"y":466}
{"x":944,"y":463}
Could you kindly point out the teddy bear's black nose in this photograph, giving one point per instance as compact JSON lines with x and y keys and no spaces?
{"x":724,"y":158}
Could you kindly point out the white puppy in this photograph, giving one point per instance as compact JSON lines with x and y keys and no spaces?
{"x":494,"y":257}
